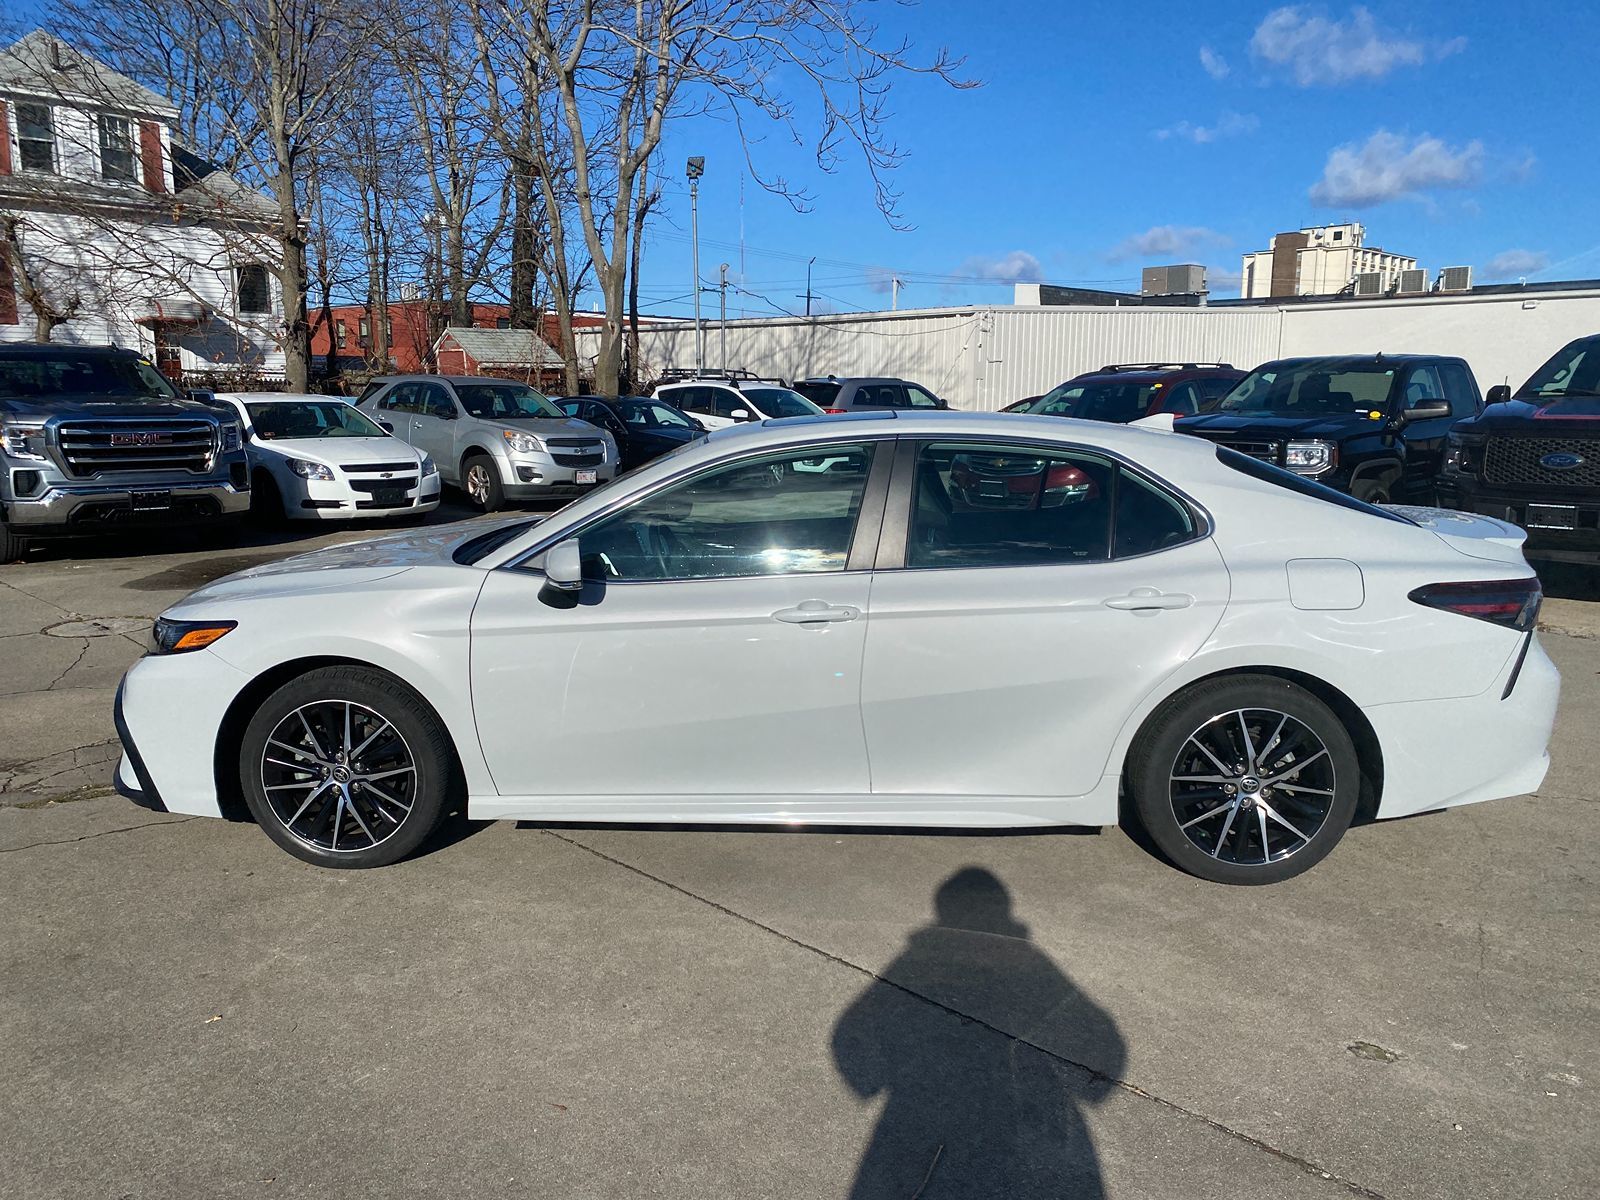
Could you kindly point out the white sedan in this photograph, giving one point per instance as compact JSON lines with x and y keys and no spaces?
{"x":965,"y":620}
{"x":321,"y":458}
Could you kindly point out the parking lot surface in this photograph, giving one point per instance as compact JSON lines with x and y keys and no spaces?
{"x":187,"y":1011}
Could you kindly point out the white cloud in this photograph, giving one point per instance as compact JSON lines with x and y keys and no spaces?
{"x":1318,"y":50}
{"x":1165,"y":241}
{"x":1215,"y":65}
{"x":880,"y":280}
{"x":1513,"y":264}
{"x":1224,"y":279}
{"x":1017,"y":267}
{"x":1388,"y":167}
{"x":1229,"y":124}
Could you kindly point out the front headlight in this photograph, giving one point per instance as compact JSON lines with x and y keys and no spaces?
{"x":180,"y":637}
{"x":310,"y":470}
{"x":1458,"y":453}
{"x":428,"y":466}
{"x":230,"y":437}
{"x":1311,"y":458}
{"x":22,"y":441}
{"x":522,"y":443}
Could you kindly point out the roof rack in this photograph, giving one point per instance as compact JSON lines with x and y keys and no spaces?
{"x":1163,"y":366}
{"x":731,"y":375}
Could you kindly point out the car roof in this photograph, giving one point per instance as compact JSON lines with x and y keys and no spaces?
{"x":279,"y":397}
{"x":425,"y":378}
{"x":63,"y":349}
{"x":852,"y":379}
{"x":1357,"y":360}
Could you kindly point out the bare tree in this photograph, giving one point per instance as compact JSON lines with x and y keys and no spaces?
{"x":53,"y":301}
{"x":605,"y":76}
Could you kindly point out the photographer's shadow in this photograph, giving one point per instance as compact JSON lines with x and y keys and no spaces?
{"x":970,"y":1111}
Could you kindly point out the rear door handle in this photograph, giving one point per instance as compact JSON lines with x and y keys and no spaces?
{"x":1149,"y":599}
{"x":809,"y":612}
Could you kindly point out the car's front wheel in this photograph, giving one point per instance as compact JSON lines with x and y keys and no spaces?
{"x":1246,"y":779}
{"x":347,"y":767}
{"x":480,"y":479}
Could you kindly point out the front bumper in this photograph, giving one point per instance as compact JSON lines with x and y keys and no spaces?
{"x":94,"y":507}
{"x":168,"y":712}
{"x":324,"y":500}
{"x":1580,"y":544}
{"x":527,"y":477}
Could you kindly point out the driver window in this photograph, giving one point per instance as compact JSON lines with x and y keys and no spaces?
{"x":918,"y":398}
{"x":783,"y":514}
{"x":1423,"y":386}
{"x":725,"y":403}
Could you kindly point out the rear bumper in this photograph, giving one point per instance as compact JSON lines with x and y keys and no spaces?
{"x":66,"y":508}
{"x":1444,"y":753}
{"x":1580,"y":544}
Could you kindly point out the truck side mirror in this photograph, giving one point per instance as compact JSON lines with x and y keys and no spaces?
{"x":1500,"y":393}
{"x":202,"y":396}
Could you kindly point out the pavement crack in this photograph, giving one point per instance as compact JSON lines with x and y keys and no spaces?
{"x":1132,"y":1089}
{"x":40,"y":599}
{"x":89,"y":837}
{"x":82,"y":651}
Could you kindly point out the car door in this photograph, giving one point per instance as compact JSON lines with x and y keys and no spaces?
{"x":1424,"y":436}
{"x":1017,"y":626}
{"x":433,"y":422}
{"x":699,"y":399}
{"x":714,"y":651}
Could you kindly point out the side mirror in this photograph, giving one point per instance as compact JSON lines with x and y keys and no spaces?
{"x":1500,"y":393}
{"x":386,"y":426}
{"x":1428,"y":410}
{"x":740,"y":414}
{"x":202,"y":396}
{"x":563,"y":567}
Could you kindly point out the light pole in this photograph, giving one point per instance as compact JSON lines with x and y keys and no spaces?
{"x":695,"y":169}
{"x":807,"y":297}
{"x":723,"y":288}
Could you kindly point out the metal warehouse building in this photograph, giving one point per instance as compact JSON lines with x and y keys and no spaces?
{"x":983,"y":358}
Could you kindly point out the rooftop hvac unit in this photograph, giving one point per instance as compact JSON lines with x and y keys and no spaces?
{"x":1187,"y":279}
{"x":1412,"y":282}
{"x":1455,"y":279}
{"x":1369,"y":283}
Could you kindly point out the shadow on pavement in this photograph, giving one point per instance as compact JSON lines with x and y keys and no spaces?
{"x":970,"y":1111}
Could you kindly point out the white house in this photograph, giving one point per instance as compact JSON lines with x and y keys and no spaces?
{"x":113,"y":233}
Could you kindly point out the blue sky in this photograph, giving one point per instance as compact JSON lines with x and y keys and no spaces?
{"x":1108,"y":136}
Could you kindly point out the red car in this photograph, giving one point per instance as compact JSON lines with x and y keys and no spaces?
{"x":1120,"y":394}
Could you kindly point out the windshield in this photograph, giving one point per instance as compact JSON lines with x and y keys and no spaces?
{"x":647,"y":414}
{"x":504,"y":401}
{"x":1121,"y":401}
{"x":781,"y":402}
{"x":1569,"y":384}
{"x":309,"y":419}
{"x":1312,"y":389}
{"x":103,"y":376}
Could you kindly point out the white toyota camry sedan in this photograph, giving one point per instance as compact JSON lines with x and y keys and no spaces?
{"x":932,"y":620}
{"x":320,"y":458}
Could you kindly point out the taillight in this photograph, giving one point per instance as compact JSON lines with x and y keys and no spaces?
{"x":835,"y":410}
{"x":1513,"y":603}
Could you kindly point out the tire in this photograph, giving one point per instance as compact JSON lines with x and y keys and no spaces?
{"x":1370,"y":490}
{"x":12,"y":547}
{"x":480,"y":480}
{"x":1188,"y":755}
{"x":381,"y":803}
{"x":266,"y":501}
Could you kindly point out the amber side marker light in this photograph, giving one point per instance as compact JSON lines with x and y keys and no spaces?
{"x":180,"y":637}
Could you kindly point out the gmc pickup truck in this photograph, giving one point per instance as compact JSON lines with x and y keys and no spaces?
{"x":94,"y":439}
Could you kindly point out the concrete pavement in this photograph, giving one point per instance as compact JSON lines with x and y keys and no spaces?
{"x":187,"y":1011}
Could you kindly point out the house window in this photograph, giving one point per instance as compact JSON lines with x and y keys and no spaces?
{"x":363,"y":331}
{"x":254,"y":294}
{"x":339,"y":333}
{"x":36,"y":137}
{"x":502,"y":322}
{"x":117,"y":157}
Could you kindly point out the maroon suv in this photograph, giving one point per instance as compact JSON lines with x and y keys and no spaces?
{"x":1121,"y":394}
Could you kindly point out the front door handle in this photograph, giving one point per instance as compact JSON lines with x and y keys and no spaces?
{"x":809,"y":612}
{"x":1149,"y":599}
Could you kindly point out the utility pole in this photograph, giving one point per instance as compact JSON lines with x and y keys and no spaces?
{"x":697,"y":168}
{"x":808,"y":297}
{"x":723,"y":288}
{"x":894,"y":293}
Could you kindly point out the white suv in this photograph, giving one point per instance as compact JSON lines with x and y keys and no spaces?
{"x":720,"y":402}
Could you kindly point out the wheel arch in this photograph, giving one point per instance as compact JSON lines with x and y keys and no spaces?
{"x":1368,"y":748}
{"x":230,"y":733}
{"x":474,"y":450}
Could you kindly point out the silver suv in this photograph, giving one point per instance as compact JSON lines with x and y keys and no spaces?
{"x":95,"y":439}
{"x":495,"y":439}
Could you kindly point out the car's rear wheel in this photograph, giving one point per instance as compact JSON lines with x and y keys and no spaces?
{"x":346,"y":767}
{"x":480,"y":479}
{"x":1247,"y":779}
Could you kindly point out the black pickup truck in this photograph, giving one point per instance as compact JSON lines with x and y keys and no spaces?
{"x":1372,"y":425}
{"x":1533,"y":458}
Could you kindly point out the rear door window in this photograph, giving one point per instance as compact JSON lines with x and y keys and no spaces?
{"x":1183,"y":400}
{"x":878,"y":395}
{"x":725,"y":402}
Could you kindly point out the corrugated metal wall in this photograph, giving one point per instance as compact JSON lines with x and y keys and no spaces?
{"x":982,"y":359}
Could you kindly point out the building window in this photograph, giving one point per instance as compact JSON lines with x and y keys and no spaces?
{"x":339,"y":334}
{"x":502,"y":322}
{"x":363,"y":331}
{"x":254,"y":294}
{"x":36,"y":137}
{"x":117,"y":157}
